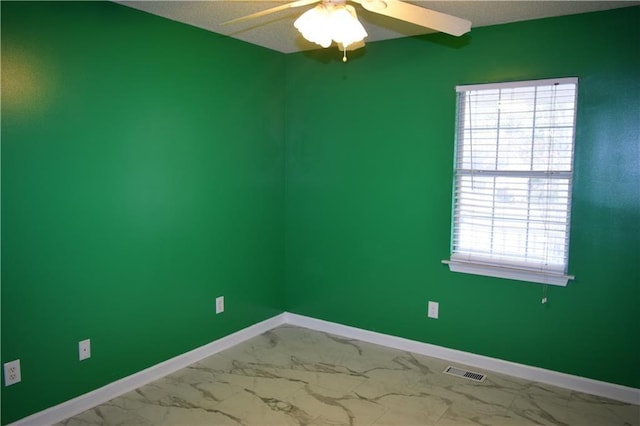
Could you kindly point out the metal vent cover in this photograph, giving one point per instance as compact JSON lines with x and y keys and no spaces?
{"x":471,"y":375}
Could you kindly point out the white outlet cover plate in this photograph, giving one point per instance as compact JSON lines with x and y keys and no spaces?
{"x":433,"y":308}
{"x":12,"y":372}
{"x":84,"y":349}
{"x":219,"y":305}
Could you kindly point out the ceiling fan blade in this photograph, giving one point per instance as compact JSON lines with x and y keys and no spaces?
{"x":418,"y":15}
{"x":298,"y":3}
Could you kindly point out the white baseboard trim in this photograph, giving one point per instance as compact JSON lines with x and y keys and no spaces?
{"x":567,"y":381}
{"x":101,"y":395}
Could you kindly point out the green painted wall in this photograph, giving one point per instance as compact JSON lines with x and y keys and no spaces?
{"x":142,"y":176}
{"x":369,"y":158}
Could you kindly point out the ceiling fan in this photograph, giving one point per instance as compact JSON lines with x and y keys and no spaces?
{"x":336,"y":21}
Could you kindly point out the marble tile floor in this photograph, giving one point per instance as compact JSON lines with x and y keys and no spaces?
{"x":296,"y":376}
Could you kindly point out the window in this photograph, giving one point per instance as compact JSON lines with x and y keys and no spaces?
{"x":513,"y":176}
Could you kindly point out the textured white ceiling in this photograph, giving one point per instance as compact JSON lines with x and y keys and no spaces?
{"x":276,"y":30}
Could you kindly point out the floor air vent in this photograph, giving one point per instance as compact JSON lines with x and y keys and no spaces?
{"x":471,"y":375}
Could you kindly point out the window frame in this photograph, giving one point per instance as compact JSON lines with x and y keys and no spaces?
{"x":488,"y":266}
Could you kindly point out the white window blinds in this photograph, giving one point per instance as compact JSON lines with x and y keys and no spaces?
{"x":513,"y":175}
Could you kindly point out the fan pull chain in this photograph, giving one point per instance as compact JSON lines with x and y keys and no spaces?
{"x":344,"y":56}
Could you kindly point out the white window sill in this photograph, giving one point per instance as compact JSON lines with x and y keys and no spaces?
{"x":541,"y":277}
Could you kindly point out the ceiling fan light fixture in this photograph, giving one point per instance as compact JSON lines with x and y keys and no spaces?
{"x":329,"y":22}
{"x":312,"y":25}
{"x":346,"y":27}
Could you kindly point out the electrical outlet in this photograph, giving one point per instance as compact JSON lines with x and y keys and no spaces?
{"x":219,"y":305}
{"x":12,"y":372}
{"x":84,"y":349}
{"x":432,"y":311}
